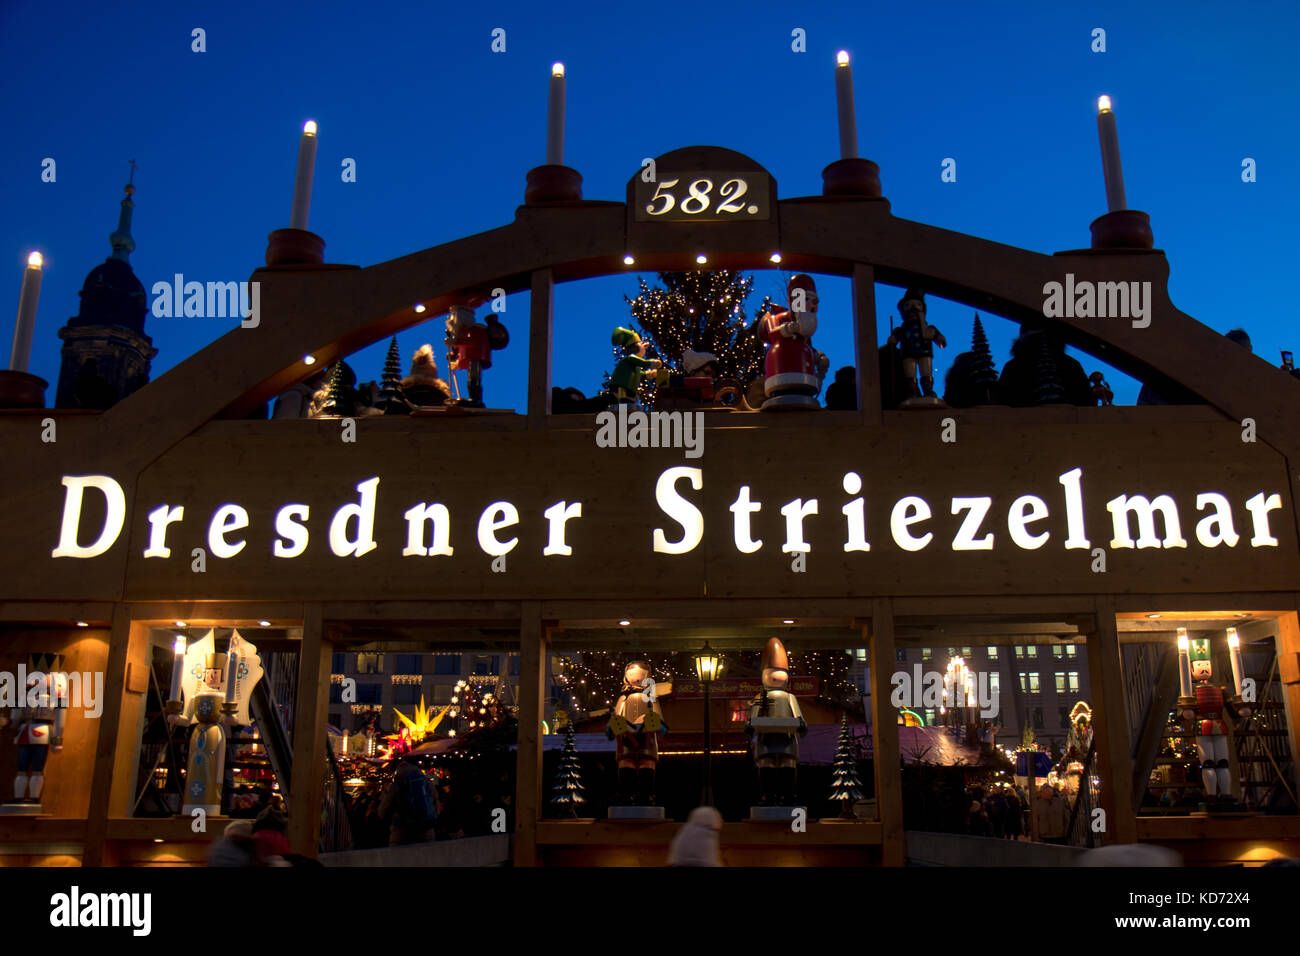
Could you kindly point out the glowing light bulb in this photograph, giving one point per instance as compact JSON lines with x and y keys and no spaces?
{"x":557,"y":69}
{"x":35,"y":260}
{"x":842,"y":58}
{"x":701,"y":258}
{"x":1103,"y":104}
{"x":309,"y":128}
{"x":628,"y":260}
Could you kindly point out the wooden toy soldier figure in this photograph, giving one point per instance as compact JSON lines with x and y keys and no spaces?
{"x":1214,"y":709}
{"x":776,"y":752}
{"x":790,"y":363}
{"x":636,"y":724}
{"x":39,"y":721}
{"x":626,"y":379}
{"x":470,"y":345}
{"x":916,"y":340}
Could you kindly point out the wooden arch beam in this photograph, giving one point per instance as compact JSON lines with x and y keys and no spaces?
{"x":332,"y":311}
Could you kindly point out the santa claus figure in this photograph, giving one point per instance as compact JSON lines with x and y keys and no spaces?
{"x":790,"y":364}
{"x":636,"y":724}
{"x":776,"y":751}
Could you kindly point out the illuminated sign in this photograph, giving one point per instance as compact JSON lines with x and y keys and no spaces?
{"x":703,"y":196}
{"x":915,"y":523}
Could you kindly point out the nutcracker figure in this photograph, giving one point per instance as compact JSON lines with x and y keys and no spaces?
{"x":469,"y":347}
{"x":636,"y":724}
{"x":775,"y":725}
{"x":916,"y":340}
{"x":627,"y":375}
{"x":1201,"y":697}
{"x":790,"y":363}
{"x":39,"y":722}
{"x":216,"y":689}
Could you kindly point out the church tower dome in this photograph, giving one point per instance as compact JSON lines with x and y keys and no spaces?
{"x":106,"y":353}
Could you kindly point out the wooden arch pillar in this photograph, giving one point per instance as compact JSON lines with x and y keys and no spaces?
{"x":884,"y":732}
{"x":1110,"y":724}
{"x":534,"y":641}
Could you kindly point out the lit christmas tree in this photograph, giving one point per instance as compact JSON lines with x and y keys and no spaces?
{"x":336,"y":402}
{"x":701,"y":311}
{"x":983,"y":372}
{"x":846,"y":788}
{"x":567,"y":797}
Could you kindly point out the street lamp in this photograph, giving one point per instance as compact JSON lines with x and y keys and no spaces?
{"x":707,"y":665}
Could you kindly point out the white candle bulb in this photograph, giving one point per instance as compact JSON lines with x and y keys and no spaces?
{"x":302,"y":181}
{"x":1234,"y":654}
{"x":178,"y":666}
{"x":1110,"y":165}
{"x":1184,"y":664}
{"x":20,"y":355}
{"x":555,"y":118}
{"x":844,"y":104}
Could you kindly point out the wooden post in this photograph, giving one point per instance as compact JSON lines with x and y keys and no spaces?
{"x":865,"y":349}
{"x":539,"y":348}
{"x":884,"y":732}
{"x":118,"y":743}
{"x":307,"y":786}
{"x":533,"y":639}
{"x":1110,"y":714}
{"x":1288,"y":663}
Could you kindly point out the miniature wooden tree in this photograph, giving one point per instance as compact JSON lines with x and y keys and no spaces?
{"x":983,"y":372}
{"x":390,"y":389}
{"x":567,"y":796}
{"x":1048,"y":388}
{"x":846,"y":788}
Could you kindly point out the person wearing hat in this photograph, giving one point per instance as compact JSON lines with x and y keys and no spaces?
{"x":701,"y":369}
{"x":790,"y":363}
{"x":627,"y":375}
{"x":776,"y":753}
{"x":916,"y":340}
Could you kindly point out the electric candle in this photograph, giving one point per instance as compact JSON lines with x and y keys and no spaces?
{"x":1110,"y":166}
{"x":178,"y":666}
{"x":1184,"y":665}
{"x":302,"y":182}
{"x":1234,"y":653}
{"x":844,"y":101}
{"x":555,"y":118}
{"x":25,"y":326}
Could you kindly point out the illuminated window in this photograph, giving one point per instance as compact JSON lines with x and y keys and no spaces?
{"x":1070,"y":650}
{"x":1073,"y":681}
{"x":1057,"y":651}
{"x":993,"y":653}
{"x":965,"y":652}
{"x":860,"y":654}
{"x":370,"y":662}
{"x":1020,"y":651}
{"x":1029,"y":683}
{"x":1031,"y":650}
{"x":739,"y":712}
{"x":995,"y":681}
{"x":1060,"y":682}
{"x":925,"y":654}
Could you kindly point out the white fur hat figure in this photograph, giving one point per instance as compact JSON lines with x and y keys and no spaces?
{"x":692,"y":361}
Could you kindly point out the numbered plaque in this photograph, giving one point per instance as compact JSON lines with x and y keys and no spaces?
{"x":703,"y":197}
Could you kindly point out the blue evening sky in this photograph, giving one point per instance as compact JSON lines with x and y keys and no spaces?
{"x":443,"y":131}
